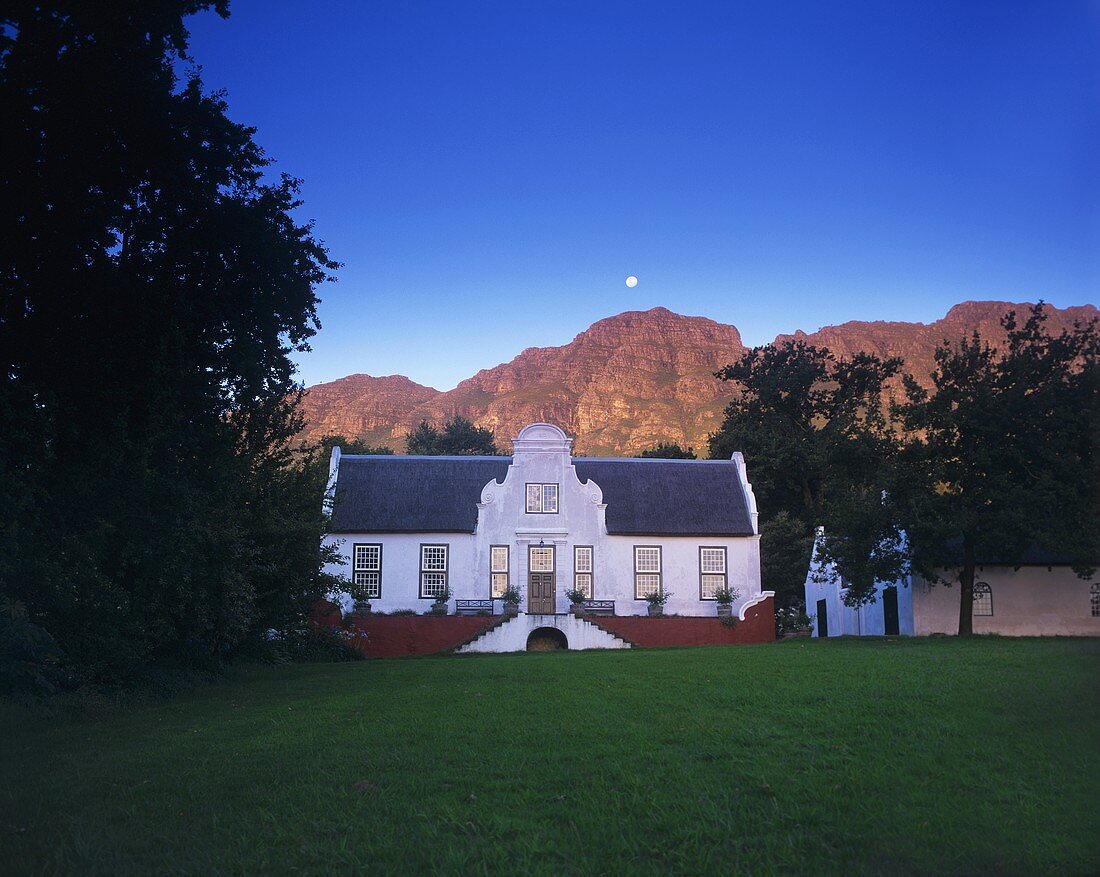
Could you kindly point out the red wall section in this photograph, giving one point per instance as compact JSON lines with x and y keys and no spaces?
{"x":758,"y":627}
{"x":393,"y":636}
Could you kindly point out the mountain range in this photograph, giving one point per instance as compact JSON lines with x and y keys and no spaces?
{"x":628,"y":381}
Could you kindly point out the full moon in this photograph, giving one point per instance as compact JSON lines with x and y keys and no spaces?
{"x":632,"y":281}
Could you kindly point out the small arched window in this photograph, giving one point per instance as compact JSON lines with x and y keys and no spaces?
{"x":983,"y":598}
{"x":1094,"y":598}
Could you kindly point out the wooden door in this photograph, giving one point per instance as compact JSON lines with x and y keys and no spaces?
{"x":540,"y":580}
{"x":890,"y":612}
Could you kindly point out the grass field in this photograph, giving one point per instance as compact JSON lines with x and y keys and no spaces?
{"x":844,"y":756}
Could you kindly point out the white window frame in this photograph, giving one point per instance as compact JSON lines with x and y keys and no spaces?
{"x":584,"y":579}
{"x":538,"y":500}
{"x":548,"y":550}
{"x":363,"y":570}
{"x":433,"y":570}
{"x":712,"y":579}
{"x":647,"y":573}
{"x":498,"y":576}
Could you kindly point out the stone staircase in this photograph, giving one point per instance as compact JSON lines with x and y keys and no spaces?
{"x":511,"y":634}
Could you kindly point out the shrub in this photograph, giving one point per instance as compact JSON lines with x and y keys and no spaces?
{"x":309,"y":643}
{"x":29,"y":654}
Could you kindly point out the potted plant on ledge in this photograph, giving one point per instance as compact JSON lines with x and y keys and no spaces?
{"x":510,"y":598}
{"x":576,"y":599}
{"x":440,"y":601}
{"x":724,"y":598}
{"x":656,"y":601}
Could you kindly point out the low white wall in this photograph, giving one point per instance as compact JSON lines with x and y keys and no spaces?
{"x":512,"y":635}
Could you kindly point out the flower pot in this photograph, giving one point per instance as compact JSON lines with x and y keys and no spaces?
{"x":655,"y":610}
{"x":511,"y":609}
{"x":576,"y":608}
{"x":725,"y":610}
{"x":797,"y":634}
{"x":362,"y":607}
{"x":439,"y":608}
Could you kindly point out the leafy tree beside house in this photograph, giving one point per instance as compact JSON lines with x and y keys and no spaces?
{"x":814,"y":427}
{"x":1002,"y":454}
{"x":153,"y":284}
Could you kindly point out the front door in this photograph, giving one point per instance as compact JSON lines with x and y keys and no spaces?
{"x":540,"y":580}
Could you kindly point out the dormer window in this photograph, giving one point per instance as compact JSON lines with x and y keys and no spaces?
{"x":542,"y":499}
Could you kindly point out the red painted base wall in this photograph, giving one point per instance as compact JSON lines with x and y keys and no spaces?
{"x":394,"y":636}
{"x":758,"y":627}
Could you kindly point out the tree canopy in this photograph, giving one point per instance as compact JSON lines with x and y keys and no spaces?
{"x":459,"y":437}
{"x":154,"y":284}
{"x":668,"y":451}
{"x":813,"y":428}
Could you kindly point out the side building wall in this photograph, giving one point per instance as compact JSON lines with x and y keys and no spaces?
{"x":1029,"y":601}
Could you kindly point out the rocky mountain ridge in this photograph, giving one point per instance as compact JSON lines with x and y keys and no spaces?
{"x":625,"y":383}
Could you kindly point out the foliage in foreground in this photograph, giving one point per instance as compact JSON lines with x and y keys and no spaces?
{"x":458,"y":438}
{"x":938,"y":756}
{"x":154,"y":285}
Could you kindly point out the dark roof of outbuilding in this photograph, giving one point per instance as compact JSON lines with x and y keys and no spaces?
{"x":644,"y":497}
{"x":411,"y":494}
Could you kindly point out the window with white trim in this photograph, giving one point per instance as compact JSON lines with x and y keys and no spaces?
{"x":542,"y":499}
{"x":1094,"y":599}
{"x":712,"y":572}
{"x":647,"y":570}
{"x":582,"y":569}
{"x":433,"y":569}
{"x":983,"y":599}
{"x":498,"y":570}
{"x":540,"y":559}
{"x":366,"y":569}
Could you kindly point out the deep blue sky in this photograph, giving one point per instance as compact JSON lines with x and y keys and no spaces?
{"x":489,"y":174}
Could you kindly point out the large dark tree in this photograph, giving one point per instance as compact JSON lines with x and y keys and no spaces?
{"x":154,"y":283}
{"x":812,"y":429}
{"x":1002,"y":454}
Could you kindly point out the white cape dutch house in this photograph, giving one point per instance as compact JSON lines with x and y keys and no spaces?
{"x":545,"y":522}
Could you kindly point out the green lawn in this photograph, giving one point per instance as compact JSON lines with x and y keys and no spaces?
{"x":875,"y":757}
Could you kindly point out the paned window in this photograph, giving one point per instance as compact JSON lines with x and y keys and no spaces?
{"x":433,"y":570}
{"x":542,"y":499}
{"x":712,"y":572}
{"x":582,"y":569}
{"x":1094,"y":599}
{"x":647,"y":570}
{"x":541,"y":559}
{"x":983,"y":599}
{"x":498,"y":570}
{"x":367,"y":569}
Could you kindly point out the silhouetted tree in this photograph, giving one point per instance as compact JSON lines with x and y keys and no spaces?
{"x":813,"y":430}
{"x":152,"y":287}
{"x":459,"y":437}
{"x":668,"y":451}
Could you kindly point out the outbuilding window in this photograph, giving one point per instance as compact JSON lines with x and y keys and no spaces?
{"x":647,"y":570}
{"x":1094,"y":599}
{"x":498,"y":570}
{"x":367,"y":569}
{"x":542,"y":499}
{"x":433,"y":569}
{"x":712,"y":572}
{"x":582,"y":569}
{"x":983,"y":599}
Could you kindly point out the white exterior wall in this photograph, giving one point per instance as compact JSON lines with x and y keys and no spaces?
{"x":542,"y":455}
{"x":823,"y":583}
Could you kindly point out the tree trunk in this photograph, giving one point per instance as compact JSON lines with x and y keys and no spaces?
{"x":966,"y":589}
